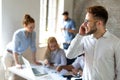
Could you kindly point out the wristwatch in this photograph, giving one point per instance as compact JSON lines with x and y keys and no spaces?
{"x":78,"y":74}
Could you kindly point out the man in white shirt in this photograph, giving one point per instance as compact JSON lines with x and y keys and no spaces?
{"x":101,"y":48}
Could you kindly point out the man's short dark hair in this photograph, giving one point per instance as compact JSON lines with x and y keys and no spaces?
{"x":98,"y":12}
{"x":65,"y":13}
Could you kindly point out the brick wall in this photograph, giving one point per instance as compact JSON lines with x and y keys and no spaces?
{"x":112,"y":6}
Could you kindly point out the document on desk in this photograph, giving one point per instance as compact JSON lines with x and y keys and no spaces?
{"x":45,"y":77}
{"x":56,"y":76}
{"x":51,"y":76}
{"x":63,"y":72}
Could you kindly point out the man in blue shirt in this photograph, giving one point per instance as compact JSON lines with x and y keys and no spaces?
{"x":69,"y":29}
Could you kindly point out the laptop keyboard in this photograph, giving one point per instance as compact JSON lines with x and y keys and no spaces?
{"x":35,"y":71}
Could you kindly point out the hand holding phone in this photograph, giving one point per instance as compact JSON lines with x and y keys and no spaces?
{"x":82,"y":29}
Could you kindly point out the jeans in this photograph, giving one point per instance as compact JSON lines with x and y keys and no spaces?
{"x":66,"y":45}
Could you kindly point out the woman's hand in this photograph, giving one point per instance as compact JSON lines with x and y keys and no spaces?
{"x":19,"y":66}
{"x":38,"y":63}
{"x":46,"y":62}
{"x":35,"y":60}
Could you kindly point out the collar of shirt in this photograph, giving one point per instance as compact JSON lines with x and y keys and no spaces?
{"x":106,"y":34}
{"x":27,"y":34}
{"x":54,"y":52}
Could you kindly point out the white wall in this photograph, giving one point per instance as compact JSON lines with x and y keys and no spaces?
{"x":0,"y":23}
{"x":68,"y":6}
{"x":12,"y":16}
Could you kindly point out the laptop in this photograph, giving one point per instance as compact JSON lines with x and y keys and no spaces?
{"x":32,"y":70}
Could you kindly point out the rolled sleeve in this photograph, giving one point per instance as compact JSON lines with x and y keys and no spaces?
{"x":73,"y":25}
{"x":33,"y":42}
{"x":76,"y":64}
{"x":79,"y":63}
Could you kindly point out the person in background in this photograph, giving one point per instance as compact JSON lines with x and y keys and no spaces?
{"x":69,"y":29}
{"x":22,"y":39}
{"x":69,"y":32}
{"x":54,"y":56}
{"x":102,"y":49}
{"x":76,"y":67}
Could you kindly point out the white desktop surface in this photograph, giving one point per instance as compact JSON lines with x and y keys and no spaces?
{"x":27,"y":75}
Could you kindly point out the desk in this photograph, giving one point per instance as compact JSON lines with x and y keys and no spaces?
{"x":27,"y":75}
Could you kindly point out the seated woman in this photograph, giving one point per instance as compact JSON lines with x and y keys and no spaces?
{"x":55,"y":56}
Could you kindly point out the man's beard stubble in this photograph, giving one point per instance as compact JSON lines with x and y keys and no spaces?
{"x":93,"y":30}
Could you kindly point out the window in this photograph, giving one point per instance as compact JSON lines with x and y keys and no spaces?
{"x":50,"y":17}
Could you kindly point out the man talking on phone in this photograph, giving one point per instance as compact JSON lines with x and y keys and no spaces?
{"x":101,"y":48}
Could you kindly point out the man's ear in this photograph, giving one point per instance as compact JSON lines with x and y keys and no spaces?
{"x":99,"y":22}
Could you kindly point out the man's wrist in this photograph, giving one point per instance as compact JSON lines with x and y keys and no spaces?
{"x":79,"y":35}
{"x":61,"y":67}
{"x":78,"y":74}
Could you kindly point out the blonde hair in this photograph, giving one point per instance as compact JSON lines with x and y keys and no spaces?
{"x":48,"y":51}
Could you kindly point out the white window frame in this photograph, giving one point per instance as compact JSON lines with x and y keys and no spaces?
{"x":50,"y":19}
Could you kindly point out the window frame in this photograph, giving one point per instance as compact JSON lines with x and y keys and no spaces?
{"x":49,"y":13}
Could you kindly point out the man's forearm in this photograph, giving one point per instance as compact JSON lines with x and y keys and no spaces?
{"x":72,"y":31}
{"x":68,"y":67}
{"x":75,"y":48}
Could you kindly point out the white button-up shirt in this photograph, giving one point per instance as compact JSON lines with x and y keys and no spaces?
{"x":102,"y":56}
{"x":79,"y":63}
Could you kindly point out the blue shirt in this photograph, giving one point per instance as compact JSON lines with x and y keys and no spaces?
{"x":69,"y":24}
{"x":58,"y":57}
{"x":21,"y":42}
